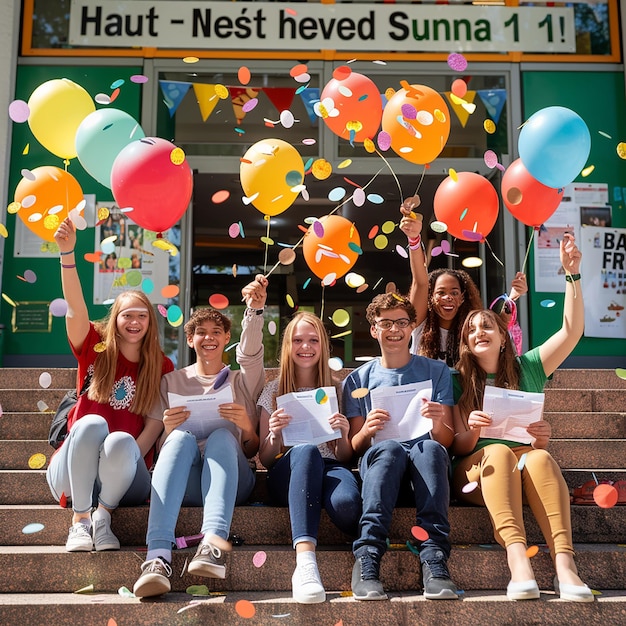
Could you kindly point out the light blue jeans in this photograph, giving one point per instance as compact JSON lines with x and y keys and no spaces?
{"x":94,"y":466}
{"x":217,"y":481}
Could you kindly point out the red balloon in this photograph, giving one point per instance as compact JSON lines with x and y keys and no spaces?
{"x":468,"y":204}
{"x":357,"y":99}
{"x":152,"y":177}
{"x":530,"y":201}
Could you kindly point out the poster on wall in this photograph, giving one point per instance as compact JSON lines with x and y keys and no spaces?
{"x":128,"y":259}
{"x":583,"y":203}
{"x":604,"y":281}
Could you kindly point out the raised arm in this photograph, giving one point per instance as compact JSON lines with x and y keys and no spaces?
{"x":411,"y":226}
{"x":558,"y":347}
{"x":519,"y":286}
{"x":77,"y":317}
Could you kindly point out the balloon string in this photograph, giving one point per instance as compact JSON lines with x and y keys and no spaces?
{"x":267,"y":237}
{"x":367,"y":184}
{"x":278,"y":262}
{"x":493,"y":254}
{"x":530,"y":242}
{"x":322,"y":302}
{"x":392,"y":173}
{"x":421,"y":180}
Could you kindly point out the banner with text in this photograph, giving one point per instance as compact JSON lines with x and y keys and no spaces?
{"x":277,"y":26}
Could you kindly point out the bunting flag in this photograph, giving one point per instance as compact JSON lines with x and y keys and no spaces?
{"x":238,"y":97}
{"x":494,"y":101}
{"x":173,"y":91}
{"x":280,"y":97}
{"x":309,"y":96}
{"x":463,"y":107}
{"x":207,"y":99}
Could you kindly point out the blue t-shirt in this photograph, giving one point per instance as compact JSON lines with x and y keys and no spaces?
{"x":372,"y":374}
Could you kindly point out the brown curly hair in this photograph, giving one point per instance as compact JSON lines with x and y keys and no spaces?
{"x":430,"y":341}
{"x":385,"y":302}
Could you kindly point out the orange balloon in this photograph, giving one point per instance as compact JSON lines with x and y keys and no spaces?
{"x":469,"y":203}
{"x":331,"y":246}
{"x":47,"y":200}
{"x":357,"y":98}
{"x":418,"y":123}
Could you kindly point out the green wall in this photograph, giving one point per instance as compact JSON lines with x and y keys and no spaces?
{"x":94,"y":80}
{"x":598,"y":97}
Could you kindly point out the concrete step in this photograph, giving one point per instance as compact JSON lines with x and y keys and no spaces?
{"x":568,"y":453}
{"x":403,"y":609}
{"x":30,"y":486}
{"x":52,"y":570}
{"x":25,"y":400}
{"x":260,"y":524}
{"x":565,"y":425}
{"x":28,"y":377}
{"x":586,"y":378}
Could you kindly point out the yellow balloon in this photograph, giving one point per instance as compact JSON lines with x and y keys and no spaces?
{"x":57,"y":107}
{"x":271,"y":174}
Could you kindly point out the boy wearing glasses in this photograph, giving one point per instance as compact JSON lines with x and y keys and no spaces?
{"x":386,"y":462}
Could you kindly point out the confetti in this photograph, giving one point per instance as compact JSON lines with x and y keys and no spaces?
{"x":419,"y":533}
{"x":471,"y":486}
{"x":45,"y":380}
{"x":30,"y":529}
{"x":245,"y":609}
{"x":258,"y":560}
{"x":532,"y":551}
{"x":605,"y":496}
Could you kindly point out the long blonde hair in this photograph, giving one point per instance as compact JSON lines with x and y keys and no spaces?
{"x":150,"y":358}
{"x":287,"y":382}
{"x":473,"y":376}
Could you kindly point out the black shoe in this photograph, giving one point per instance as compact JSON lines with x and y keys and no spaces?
{"x":154,"y":579}
{"x":365,"y":576}
{"x":437,"y":583}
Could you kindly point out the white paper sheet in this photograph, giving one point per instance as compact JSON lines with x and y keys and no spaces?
{"x":204,"y":418}
{"x":511,"y":412}
{"x":309,"y":418}
{"x":403,"y":403}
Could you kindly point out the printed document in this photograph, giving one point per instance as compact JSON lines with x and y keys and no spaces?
{"x":403,"y":402}
{"x":204,"y":418}
{"x":309,"y":411}
{"x":511,"y":412}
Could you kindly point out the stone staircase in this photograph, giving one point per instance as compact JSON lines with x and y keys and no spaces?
{"x":587,"y":410}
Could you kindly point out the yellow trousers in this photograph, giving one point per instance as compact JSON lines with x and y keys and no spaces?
{"x":503,"y":489}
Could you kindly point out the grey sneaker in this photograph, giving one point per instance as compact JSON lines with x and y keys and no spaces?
{"x":79,"y":539}
{"x":209,"y":561}
{"x":103,"y":537}
{"x":365,"y":576}
{"x":306,"y":584}
{"x":154,"y":579}
{"x":437,"y":582}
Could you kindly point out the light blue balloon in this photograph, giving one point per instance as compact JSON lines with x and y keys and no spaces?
{"x":554,"y":145}
{"x":100,"y":137}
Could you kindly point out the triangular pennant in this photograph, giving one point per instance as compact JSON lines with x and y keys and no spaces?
{"x":309,"y":96}
{"x":458,"y":107}
{"x":174,"y":91}
{"x":207,"y":99}
{"x":238,"y":97}
{"x":494,"y":101}
{"x":280,"y":97}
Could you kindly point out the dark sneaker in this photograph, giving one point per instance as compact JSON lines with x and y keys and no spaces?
{"x":154,"y":579}
{"x":365,"y":577}
{"x":209,"y":561}
{"x":437,"y":583}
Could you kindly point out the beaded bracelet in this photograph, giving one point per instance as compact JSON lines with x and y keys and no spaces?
{"x":68,"y":252}
{"x":571,"y":278}
{"x":68,"y":267}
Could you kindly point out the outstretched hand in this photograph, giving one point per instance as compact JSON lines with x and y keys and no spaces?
{"x":65,"y":235}
{"x":254,"y":294}
{"x":570,"y":254}
{"x":519,"y":286}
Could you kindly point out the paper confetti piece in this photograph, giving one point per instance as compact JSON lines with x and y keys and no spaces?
{"x":258,"y":560}
{"x":37,"y":461}
{"x":87,"y":589}
{"x":30,"y":529}
{"x":419,"y":533}
{"x":245,"y":609}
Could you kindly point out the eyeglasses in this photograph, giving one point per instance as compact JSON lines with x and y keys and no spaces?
{"x":403,"y":322}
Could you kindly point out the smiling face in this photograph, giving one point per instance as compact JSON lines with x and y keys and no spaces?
{"x":209,"y":340}
{"x":446,"y":299}
{"x":305,"y":346}
{"x":132,"y":322}
{"x":484,"y":338}
{"x":394,"y":339}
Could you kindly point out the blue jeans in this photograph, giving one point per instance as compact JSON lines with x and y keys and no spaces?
{"x":215,"y":480}
{"x":305,"y":481}
{"x":94,"y":466}
{"x":383,"y":468}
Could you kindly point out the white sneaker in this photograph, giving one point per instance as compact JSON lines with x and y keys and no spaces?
{"x":79,"y":539}
{"x":103,"y":538}
{"x":307,"y":585}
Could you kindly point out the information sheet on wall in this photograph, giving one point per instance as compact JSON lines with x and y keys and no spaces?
{"x":604,"y":281}
{"x":582,"y":204}
{"x":128,"y":260}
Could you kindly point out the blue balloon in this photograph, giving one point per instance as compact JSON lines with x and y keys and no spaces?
{"x":554,"y":146}
{"x":100,"y":137}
